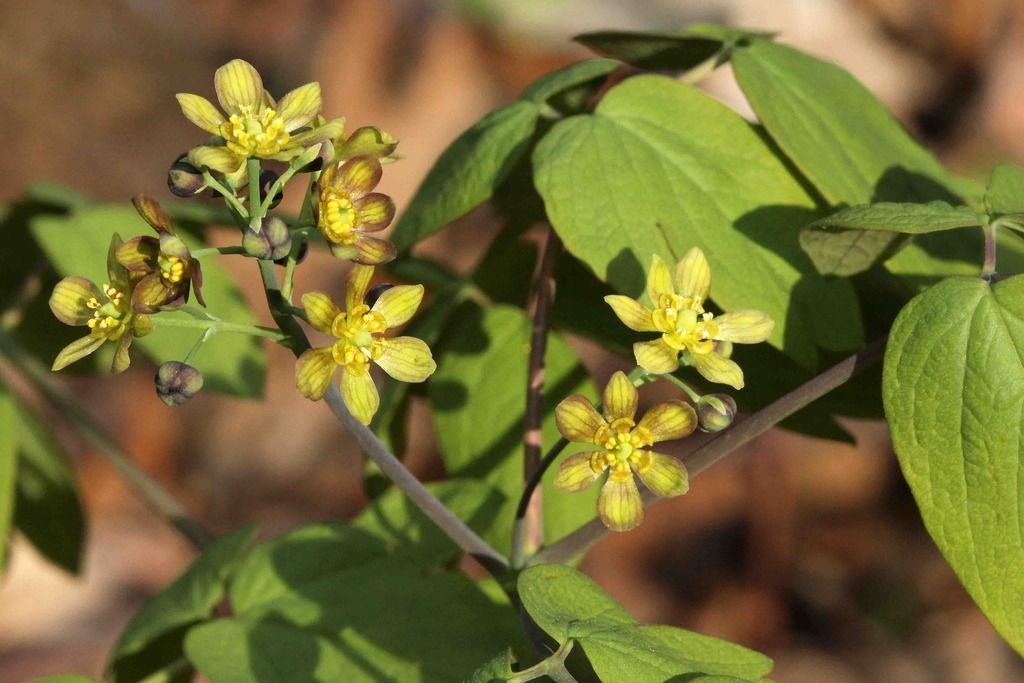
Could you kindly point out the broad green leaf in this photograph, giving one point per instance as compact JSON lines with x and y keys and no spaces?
{"x":478,"y":396}
{"x":954,"y":394}
{"x":153,"y":637}
{"x":496,"y":670}
{"x":856,"y":238}
{"x":10,"y":428}
{"x":652,"y":50}
{"x":568,"y":605}
{"x":468,"y":172}
{"x":47,"y":510}
{"x":391,"y":527}
{"x":384,"y":620}
{"x":659,"y":168}
{"x":1005,"y":192}
{"x":836,"y":131}
{"x":230,"y":363}
{"x":568,"y":78}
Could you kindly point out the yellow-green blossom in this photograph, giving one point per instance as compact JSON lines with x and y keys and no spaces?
{"x":622,"y":450}
{"x":346,"y":211}
{"x":253,"y":124}
{"x":360,"y":341}
{"x":685,"y":326}
{"x":106,"y":311}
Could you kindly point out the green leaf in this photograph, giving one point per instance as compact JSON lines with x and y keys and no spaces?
{"x":568,"y":605}
{"x":856,"y":238}
{"x":836,"y":131}
{"x":231,"y":363}
{"x":652,"y":50}
{"x":478,"y":396}
{"x":659,"y":168}
{"x":1005,"y":192}
{"x":153,"y":637}
{"x":48,"y":510}
{"x":10,"y":428}
{"x":391,"y":527}
{"x":954,"y":394}
{"x":468,"y":172}
{"x":383,"y":619}
{"x":569,"y":78}
{"x":496,"y":670}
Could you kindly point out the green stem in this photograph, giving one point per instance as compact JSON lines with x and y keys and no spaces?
{"x":298,"y":239}
{"x":256,"y":211}
{"x":694,"y":396}
{"x":212,"y":251}
{"x":149,"y":491}
{"x":217,"y":326}
{"x":203,"y":338}
{"x":553,"y":667}
{"x":988,"y":269}
{"x":228,"y":195}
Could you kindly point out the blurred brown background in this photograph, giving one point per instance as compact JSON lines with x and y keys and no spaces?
{"x":810,"y":551}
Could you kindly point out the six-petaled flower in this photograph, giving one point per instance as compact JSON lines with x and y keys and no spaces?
{"x":685,"y":326}
{"x":346,"y":211}
{"x":622,"y":446}
{"x":164,"y":267}
{"x":360,"y":342}
{"x":255,"y":125}
{"x":107,"y":312}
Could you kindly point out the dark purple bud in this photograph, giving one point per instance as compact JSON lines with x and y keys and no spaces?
{"x":715,"y":412}
{"x":279,"y":237}
{"x":299,"y":258}
{"x":374,"y":294}
{"x":177,"y":382}
{"x":184,"y":179}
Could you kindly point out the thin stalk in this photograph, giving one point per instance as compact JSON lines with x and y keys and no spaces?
{"x":217,"y":326}
{"x":552,"y":667}
{"x":687,"y":389}
{"x":149,"y":491}
{"x":228,"y":195}
{"x":213,"y":251}
{"x":988,"y":269}
{"x":727,"y":441}
{"x":256,"y":211}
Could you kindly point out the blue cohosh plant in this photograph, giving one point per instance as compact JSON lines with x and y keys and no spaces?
{"x":625,"y":168}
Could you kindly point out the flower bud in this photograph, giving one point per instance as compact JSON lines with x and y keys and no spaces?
{"x":267,"y":180}
{"x":177,"y":382}
{"x":299,"y":258}
{"x":374,"y":293}
{"x":368,"y":141}
{"x":715,"y":412}
{"x":272,"y":242}
{"x":184,"y":179}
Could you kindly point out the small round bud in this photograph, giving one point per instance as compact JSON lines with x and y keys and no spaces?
{"x":272,"y":242}
{"x":184,"y":179}
{"x":256,"y":244}
{"x":267,"y":180}
{"x":374,"y":294}
{"x":177,"y":382}
{"x":299,"y":258}
{"x":715,"y":412}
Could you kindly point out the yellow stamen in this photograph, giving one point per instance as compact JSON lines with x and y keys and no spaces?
{"x":255,"y":133}
{"x":339,"y":217}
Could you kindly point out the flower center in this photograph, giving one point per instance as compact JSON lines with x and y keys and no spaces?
{"x":173,"y":269}
{"x":684,"y":324}
{"x":360,"y":338}
{"x":255,"y":132}
{"x":109,"y":319}
{"x":338,"y":217}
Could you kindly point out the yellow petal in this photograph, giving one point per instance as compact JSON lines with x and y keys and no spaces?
{"x":671,"y":420}
{"x":578,"y":420}
{"x":332,"y":130}
{"x":407,"y":359}
{"x":575,"y":473}
{"x":656,"y":356}
{"x":620,"y":398}
{"x":69,"y":299}
{"x":693,"y":275}
{"x":358,"y":282}
{"x":220,"y":159}
{"x":360,"y":394}
{"x":619,"y":504}
{"x":716,"y":368}
{"x":201,"y":112}
{"x":370,"y":250}
{"x":376,"y":211}
{"x":631,"y":312}
{"x":154,"y":214}
{"x":398,"y":304}
{"x":321,"y":310}
{"x":80,"y":348}
{"x":359,"y":175}
{"x":744,"y":327}
{"x":313,"y":372}
{"x":238,"y":85}
{"x":663,"y":475}
{"x":659,"y":281}
{"x":300,"y":106}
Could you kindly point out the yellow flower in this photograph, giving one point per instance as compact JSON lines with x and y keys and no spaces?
{"x":346,"y":211}
{"x":622,"y":450}
{"x":253,"y":124}
{"x":106,"y":311}
{"x":359,"y":331}
{"x":685,"y":326}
